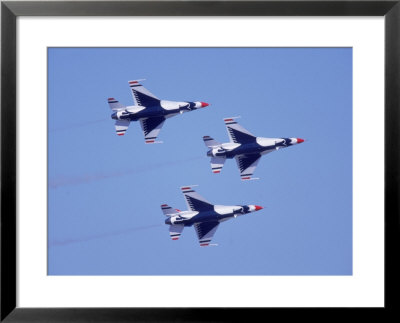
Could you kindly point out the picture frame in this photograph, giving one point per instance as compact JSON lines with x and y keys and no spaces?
{"x":10,"y":10}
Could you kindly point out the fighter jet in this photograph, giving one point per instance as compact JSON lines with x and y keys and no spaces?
{"x":149,"y":110}
{"x":204,"y":216}
{"x":246,"y":148}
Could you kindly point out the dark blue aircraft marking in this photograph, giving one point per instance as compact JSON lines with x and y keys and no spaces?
{"x":204,"y":228}
{"x":252,"y":148}
{"x":143,"y":99}
{"x":285,"y":143}
{"x":150,"y":124}
{"x":246,"y":161}
{"x":198,"y":205}
{"x":241,"y":137}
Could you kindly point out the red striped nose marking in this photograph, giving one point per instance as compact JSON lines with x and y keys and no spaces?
{"x":299,"y":140}
{"x":258,"y":207}
{"x":204,"y":104}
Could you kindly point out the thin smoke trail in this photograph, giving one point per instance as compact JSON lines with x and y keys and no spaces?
{"x":77,"y":125}
{"x":76,"y":180}
{"x":56,"y":243}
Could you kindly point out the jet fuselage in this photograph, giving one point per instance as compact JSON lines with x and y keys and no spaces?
{"x":219,"y":213}
{"x":161,"y":108}
{"x":258,"y":146}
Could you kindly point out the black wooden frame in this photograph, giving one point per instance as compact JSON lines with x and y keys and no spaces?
{"x":10,"y":10}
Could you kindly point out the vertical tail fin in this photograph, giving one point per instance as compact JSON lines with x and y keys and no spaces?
{"x":115,"y":104}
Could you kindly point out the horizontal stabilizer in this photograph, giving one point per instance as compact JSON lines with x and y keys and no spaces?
{"x":115,"y":104}
{"x":168,"y":211}
{"x":217,"y":163}
{"x":210,"y":142}
{"x":121,"y":126}
{"x":175,"y":231}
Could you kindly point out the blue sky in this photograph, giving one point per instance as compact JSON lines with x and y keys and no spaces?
{"x":105,"y":191}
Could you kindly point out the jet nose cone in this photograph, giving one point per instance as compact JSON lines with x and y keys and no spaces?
{"x":299,"y":140}
{"x":168,"y":221}
{"x":258,"y":208}
{"x":204,"y":104}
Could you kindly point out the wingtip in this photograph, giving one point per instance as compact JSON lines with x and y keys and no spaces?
{"x":230,"y":119}
{"x":153,"y":142}
{"x":185,"y":187}
{"x":249,"y":178}
{"x":136,"y":81}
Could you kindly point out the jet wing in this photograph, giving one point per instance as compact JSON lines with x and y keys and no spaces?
{"x":194,"y":201}
{"x":237,"y":133}
{"x":121,"y":126}
{"x":141,"y":96}
{"x":247,"y":165}
{"x":151,"y":128}
{"x":205,"y":232}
